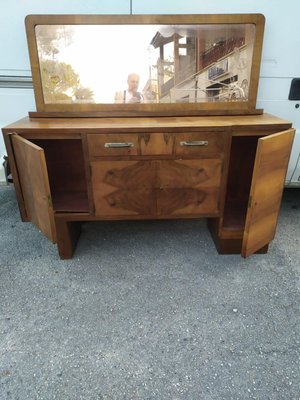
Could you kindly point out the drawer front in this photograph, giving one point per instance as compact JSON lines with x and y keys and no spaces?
{"x":106,"y":145}
{"x":147,"y":144}
{"x":200,"y":143}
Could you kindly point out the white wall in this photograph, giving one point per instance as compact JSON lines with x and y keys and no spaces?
{"x":14,"y":60}
{"x":280,"y":60}
{"x":282,"y":20}
{"x":13,"y":44}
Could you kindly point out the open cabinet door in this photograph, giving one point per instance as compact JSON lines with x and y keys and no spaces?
{"x":32,"y":171}
{"x":272,"y":157}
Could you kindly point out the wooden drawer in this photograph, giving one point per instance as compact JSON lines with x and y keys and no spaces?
{"x":104,"y":145}
{"x":155,"y":143}
{"x":206,"y":144}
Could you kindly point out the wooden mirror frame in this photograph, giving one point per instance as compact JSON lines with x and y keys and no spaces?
{"x":154,"y":109}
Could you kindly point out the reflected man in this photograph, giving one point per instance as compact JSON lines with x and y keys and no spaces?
{"x":131,"y":95}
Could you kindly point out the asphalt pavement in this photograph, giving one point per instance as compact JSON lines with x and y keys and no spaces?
{"x":148,"y":310}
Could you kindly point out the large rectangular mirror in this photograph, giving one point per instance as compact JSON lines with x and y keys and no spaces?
{"x":145,"y":65}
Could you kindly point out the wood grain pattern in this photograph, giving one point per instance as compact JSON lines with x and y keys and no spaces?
{"x":73,"y":127}
{"x":133,"y":113}
{"x":270,"y":166}
{"x":123,"y":187}
{"x":96,"y":144}
{"x":188,"y":187}
{"x":66,"y":173}
{"x":215,"y":144}
{"x":156,"y":143}
{"x":68,"y":233}
{"x":32,"y":171}
{"x":157,"y":187}
{"x":242,"y":156}
{"x":14,"y":171}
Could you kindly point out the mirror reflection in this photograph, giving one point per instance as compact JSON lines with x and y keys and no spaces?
{"x":145,"y":63}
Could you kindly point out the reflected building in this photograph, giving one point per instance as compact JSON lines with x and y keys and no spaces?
{"x":202,"y":63}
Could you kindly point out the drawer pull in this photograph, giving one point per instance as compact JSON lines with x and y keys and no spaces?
{"x":194,"y":143}
{"x":114,"y":145}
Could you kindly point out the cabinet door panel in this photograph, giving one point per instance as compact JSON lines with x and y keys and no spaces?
{"x":188,"y":187}
{"x":123,"y":187}
{"x":33,"y":176}
{"x":269,"y":172}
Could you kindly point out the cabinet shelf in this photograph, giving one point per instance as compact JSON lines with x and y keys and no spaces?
{"x":70,"y":201}
{"x":235,"y":217}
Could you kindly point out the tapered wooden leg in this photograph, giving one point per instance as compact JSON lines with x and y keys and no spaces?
{"x":68,"y":233}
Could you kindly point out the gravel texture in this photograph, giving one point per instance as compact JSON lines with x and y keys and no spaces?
{"x":148,"y":310}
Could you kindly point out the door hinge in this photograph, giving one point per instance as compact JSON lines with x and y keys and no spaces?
{"x":250,"y":202}
{"x":50,"y":201}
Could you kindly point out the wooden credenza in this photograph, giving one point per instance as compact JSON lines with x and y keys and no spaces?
{"x":229,"y":169}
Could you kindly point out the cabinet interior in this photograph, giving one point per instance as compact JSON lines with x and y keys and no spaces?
{"x":66,"y":172}
{"x":242,"y":157}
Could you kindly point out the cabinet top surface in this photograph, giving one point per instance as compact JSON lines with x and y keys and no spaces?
{"x":144,"y":123}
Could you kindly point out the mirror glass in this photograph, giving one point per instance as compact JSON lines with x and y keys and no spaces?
{"x":145,"y":63}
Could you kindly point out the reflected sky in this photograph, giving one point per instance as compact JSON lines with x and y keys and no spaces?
{"x":103,"y":56}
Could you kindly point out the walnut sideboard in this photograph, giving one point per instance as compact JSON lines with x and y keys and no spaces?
{"x":228,"y":169}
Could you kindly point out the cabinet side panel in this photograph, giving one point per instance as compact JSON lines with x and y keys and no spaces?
{"x":16,"y":181}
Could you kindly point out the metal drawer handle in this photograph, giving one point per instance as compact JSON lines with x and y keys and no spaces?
{"x":194,"y":143}
{"x":110,"y":145}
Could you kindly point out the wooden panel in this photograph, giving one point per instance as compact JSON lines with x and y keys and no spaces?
{"x":156,"y":143}
{"x":97,"y":144}
{"x":73,"y":127}
{"x":32,"y":171}
{"x":65,"y":163}
{"x":200,"y":144}
{"x":66,"y":172}
{"x":242,"y":157}
{"x":16,"y":180}
{"x":67,"y":236}
{"x":269,"y":173}
{"x":69,"y":201}
{"x":123,"y":187}
{"x":188,"y":187}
